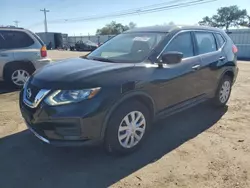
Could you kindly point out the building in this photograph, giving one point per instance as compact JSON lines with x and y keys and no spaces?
{"x":94,"y":38}
{"x":58,"y":40}
{"x":241,"y":38}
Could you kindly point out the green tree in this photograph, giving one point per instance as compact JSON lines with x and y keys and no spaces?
{"x":132,"y":25}
{"x":246,"y":22}
{"x":226,"y":17}
{"x":114,"y":28}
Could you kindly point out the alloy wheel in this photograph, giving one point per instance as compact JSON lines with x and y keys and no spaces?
{"x":19,"y":77}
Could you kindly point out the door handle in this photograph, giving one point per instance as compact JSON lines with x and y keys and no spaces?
{"x":3,"y":55}
{"x":222,"y":58}
{"x":196,"y":67}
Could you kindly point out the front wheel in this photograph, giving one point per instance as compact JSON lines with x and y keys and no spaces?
{"x":223,"y":91}
{"x":127,"y":128}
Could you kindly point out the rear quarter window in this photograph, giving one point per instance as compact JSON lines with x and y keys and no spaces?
{"x":37,"y":38}
{"x":220,"y":40}
{"x":16,"y":39}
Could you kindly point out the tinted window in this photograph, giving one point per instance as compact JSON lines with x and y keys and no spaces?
{"x":206,"y":42}
{"x":1,"y":41}
{"x":220,"y":40}
{"x":182,"y":43}
{"x":16,"y":39}
{"x":37,"y":38}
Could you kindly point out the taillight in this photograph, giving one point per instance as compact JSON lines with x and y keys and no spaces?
{"x":235,"y":49}
{"x":43,"y":51}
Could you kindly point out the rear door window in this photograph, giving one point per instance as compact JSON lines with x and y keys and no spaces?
{"x":182,"y":43}
{"x":2,"y":41}
{"x":205,"y":42}
{"x":220,"y":40}
{"x":16,"y":39}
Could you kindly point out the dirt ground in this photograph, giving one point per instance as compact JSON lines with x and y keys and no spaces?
{"x":58,"y":55}
{"x":202,"y":147}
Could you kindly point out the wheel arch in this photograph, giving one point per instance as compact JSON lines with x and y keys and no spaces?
{"x":140,"y":96}
{"x":11,"y":64}
{"x":229,"y":73}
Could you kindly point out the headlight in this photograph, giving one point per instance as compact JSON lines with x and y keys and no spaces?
{"x":60,"y":97}
{"x":25,"y":83}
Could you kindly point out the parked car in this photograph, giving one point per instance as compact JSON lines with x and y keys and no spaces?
{"x":85,"y":45}
{"x":21,"y":53}
{"x":114,"y":93}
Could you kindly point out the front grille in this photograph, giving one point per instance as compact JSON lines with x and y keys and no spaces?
{"x":33,"y":92}
{"x":32,"y":95}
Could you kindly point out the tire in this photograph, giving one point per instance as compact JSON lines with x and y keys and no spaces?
{"x":14,"y":71}
{"x":112,"y":143}
{"x":224,"y":89}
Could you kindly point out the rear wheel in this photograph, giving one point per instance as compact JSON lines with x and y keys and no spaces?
{"x":16,"y":76}
{"x":223,"y":91}
{"x":127,"y":128}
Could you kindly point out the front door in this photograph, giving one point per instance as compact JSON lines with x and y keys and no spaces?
{"x":179,"y":82}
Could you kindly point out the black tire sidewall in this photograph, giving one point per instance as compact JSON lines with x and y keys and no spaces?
{"x":112,"y":144}
{"x":217,"y":100}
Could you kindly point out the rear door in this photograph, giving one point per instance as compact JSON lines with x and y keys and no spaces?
{"x":22,"y":45}
{"x":6,"y":55}
{"x":211,"y":55}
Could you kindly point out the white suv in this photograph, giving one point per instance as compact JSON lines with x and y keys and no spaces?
{"x":21,"y":53}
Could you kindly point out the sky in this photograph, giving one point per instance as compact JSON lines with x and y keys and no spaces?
{"x":28,"y":13}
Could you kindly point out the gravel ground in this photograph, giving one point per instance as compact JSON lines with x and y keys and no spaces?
{"x":61,"y":54}
{"x":202,"y":147}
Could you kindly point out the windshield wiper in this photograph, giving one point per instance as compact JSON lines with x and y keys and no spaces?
{"x":102,"y":59}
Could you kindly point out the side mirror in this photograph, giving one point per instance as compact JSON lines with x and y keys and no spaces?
{"x":171,"y":57}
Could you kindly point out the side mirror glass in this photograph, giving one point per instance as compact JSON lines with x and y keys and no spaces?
{"x":171,"y":57}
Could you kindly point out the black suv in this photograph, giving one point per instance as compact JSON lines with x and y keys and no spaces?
{"x":114,"y":93}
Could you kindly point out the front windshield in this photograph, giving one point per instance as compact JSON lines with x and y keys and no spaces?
{"x":128,"y":47}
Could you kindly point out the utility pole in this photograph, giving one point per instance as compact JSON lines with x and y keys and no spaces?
{"x":45,"y":19}
{"x":45,"y":24}
{"x":16,"y":23}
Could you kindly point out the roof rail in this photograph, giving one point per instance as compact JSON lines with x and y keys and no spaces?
{"x":10,"y":27}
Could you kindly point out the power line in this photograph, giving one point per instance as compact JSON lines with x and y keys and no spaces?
{"x":128,"y":11}
{"x":173,"y":4}
{"x":117,"y":12}
{"x":45,"y":19}
{"x":138,"y":11}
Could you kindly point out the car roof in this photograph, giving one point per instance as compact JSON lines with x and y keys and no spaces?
{"x":12,"y":29}
{"x":169,"y":28}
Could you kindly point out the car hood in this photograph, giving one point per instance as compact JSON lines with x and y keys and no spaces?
{"x":75,"y":73}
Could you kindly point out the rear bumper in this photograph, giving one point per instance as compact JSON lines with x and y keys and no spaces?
{"x":42,"y":62}
{"x":235,"y":74}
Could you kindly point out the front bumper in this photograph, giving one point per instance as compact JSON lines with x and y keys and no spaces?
{"x":65,"y":125}
{"x":63,"y":142}
{"x":36,"y":134}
